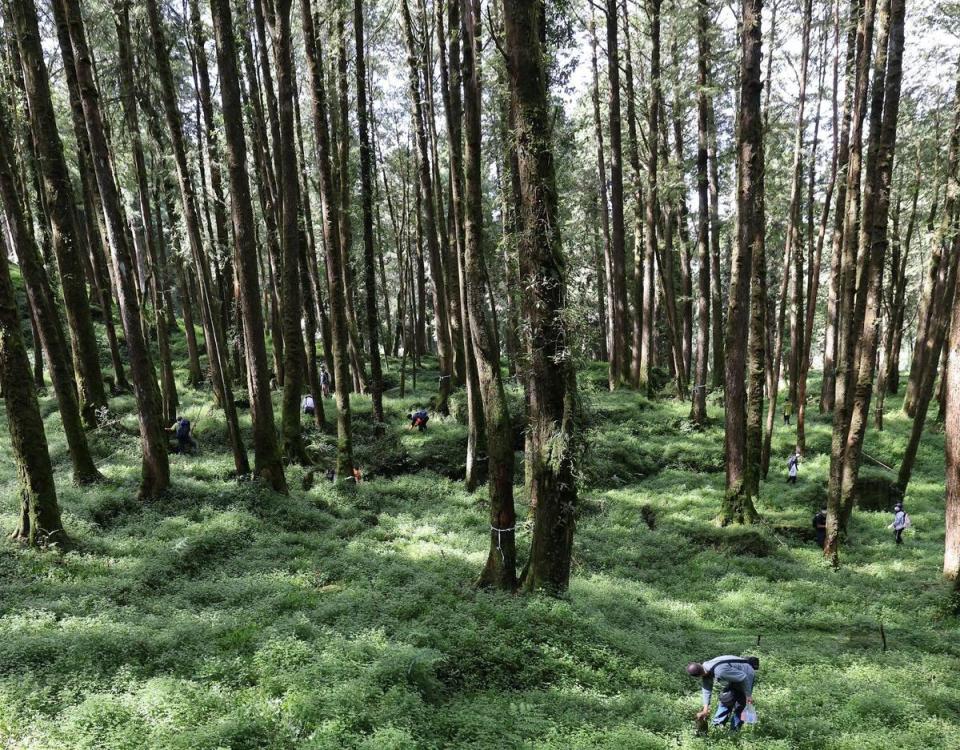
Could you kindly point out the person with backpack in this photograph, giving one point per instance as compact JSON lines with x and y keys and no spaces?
{"x":901,"y":521}
{"x":793,"y":467}
{"x":820,"y":526}
{"x":324,"y":381}
{"x":181,"y":431}
{"x":419,"y":418}
{"x":736,"y":674}
{"x":309,"y":407}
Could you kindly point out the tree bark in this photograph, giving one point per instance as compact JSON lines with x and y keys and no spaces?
{"x":951,"y":556}
{"x":369,"y":260}
{"x":738,"y":502}
{"x":155,"y":467}
{"x":551,"y":376}
{"x":331,"y":236}
{"x":653,"y":207}
{"x":267,"y":462}
{"x":39,"y":522}
{"x":698,"y":408}
{"x":427,"y":208}
{"x":213,"y":335}
{"x":44,"y":311}
{"x":500,"y":568}
{"x":59,"y":203}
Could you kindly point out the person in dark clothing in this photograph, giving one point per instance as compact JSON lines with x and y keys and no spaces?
{"x":737,"y":675}
{"x":184,"y":439}
{"x":324,"y":382}
{"x":787,"y":412}
{"x":820,"y":526}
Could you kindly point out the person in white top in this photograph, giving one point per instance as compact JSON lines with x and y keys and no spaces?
{"x":309,"y":407}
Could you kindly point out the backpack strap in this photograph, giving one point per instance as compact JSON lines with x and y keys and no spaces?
{"x":730,"y":661}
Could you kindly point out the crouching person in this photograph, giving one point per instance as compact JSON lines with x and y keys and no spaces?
{"x":736,"y":675}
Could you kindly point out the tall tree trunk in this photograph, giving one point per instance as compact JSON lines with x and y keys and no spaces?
{"x":292,"y":308}
{"x":874,"y":242}
{"x":610,"y":325}
{"x":500,"y":569}
{"x":168,"y":384}
{"x":698,"y":408}
{"x":213,"y":335}
{"x":267,"y":462}
{"x":59,"y":203}
{"x":647,"y":357}
{"x":366,"y":182}
{"x":92,"y":209}
{"x":331,"y":237}
{"x":831,"y":329}
{"x":551,"y":376}
{"x":44,"y":311}
{"x":846,"y":311}
{"x":427,"y":207}
{"x":951,"y":556}
{"x":719,"y":357}
{"x":813,"y":283}
{"x":155,"y":467}
{"x":619,"y":360}
{"x":738,"y":503}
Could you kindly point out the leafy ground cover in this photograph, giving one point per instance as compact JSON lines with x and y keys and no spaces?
{"x":225,"y":616}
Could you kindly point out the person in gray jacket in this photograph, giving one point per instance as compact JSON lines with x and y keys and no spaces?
{"x":736,"y":674}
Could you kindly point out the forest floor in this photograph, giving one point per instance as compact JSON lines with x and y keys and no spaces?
{"x":225,"y":616}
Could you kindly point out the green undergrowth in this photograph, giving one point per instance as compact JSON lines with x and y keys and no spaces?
{"x":225,"y":616}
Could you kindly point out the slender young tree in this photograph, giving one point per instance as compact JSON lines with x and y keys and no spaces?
{"x":738,"y":502}
{"x":266,"y":451}
{"x":551,"y":375}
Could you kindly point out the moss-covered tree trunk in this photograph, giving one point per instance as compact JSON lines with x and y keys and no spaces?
{"x":500,"y":569}
{"x":848,"y":274}
{"x":45,"y":313}
{"x":267,"y":462}
{"x":39,"y":520}
{"x":291,"y":308}
{"x":59,"y":204}
{"x":551,"y":377}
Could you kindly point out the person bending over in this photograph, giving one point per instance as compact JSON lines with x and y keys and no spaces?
{"x":736,"y":674}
